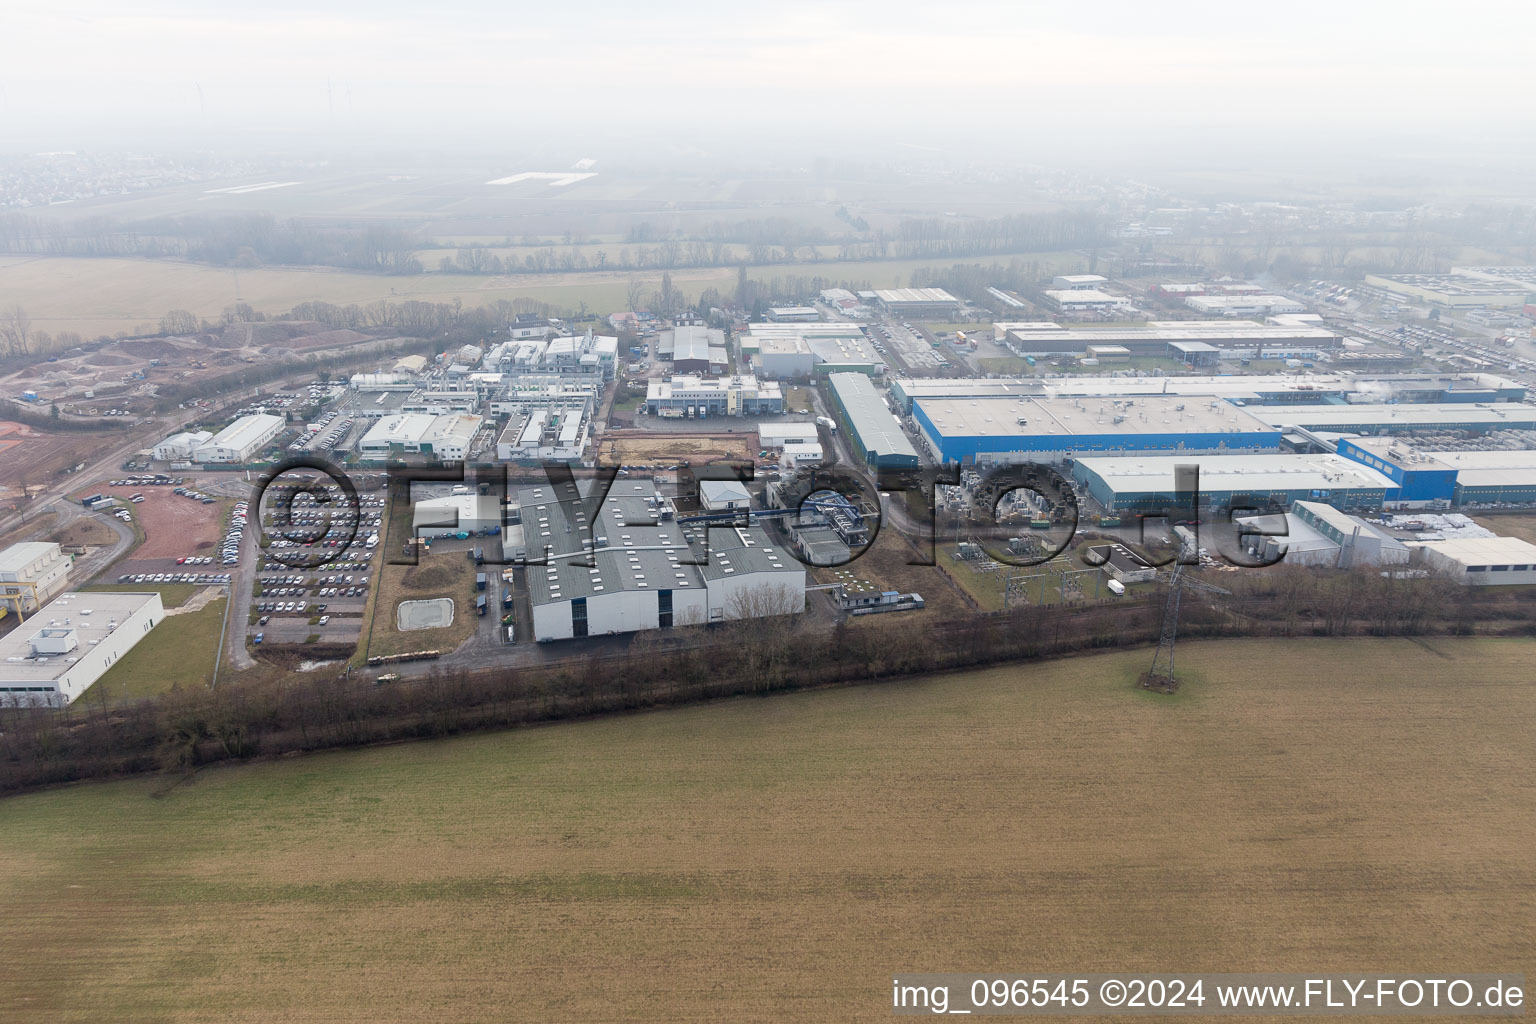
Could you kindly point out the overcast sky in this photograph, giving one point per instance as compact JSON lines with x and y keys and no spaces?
{"x":1400,"y":74}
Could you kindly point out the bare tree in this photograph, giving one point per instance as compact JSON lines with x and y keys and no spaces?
{"x":634,"y":292}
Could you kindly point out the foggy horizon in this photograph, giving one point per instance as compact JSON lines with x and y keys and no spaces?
{"x":1312,"y":90}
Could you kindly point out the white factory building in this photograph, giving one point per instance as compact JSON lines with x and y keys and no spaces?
{"x":181,"y":447}
{"x":1082,"y":300}
{"x":457,"y":513}
{"x":1244,"y":305}
{"x":56,"y":655}
{"x":1078,"y":282}
{"x":31,"y":573}
{"x":1481,"y":561}
{"x":241,"y":440}
{"x":446,"y":437}
{"x":643,"y":574}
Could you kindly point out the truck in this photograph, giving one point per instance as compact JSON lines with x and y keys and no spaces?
{"x":1116,"y":587}
{"x":479,"y":581}
{"x":480,"y":605}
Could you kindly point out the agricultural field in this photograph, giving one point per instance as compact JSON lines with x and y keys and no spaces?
{"x":765,"y":859}
{"x":92,"y":297}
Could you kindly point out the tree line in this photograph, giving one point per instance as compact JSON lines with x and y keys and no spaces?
{"x":186,"y":729}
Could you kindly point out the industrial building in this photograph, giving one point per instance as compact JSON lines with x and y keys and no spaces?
{"x":797,"y":350}
{"x":520,"y":394}
{"x":1315,"y":533}
{"x":1481,"y":561}
{"x":1455,"y":290}
{"x":1400,"y":419}
{"x":1238,"y":338}
{"x":1014,"y":430}
{"x":783,"y":357}
{"x":1305,"y":389}
{"x":875,"y":434}
{"x":1078,"y":282}
{"x":447,"y":438}
{"x":552,"y":433}
{"x":723,"y":495}
{"x":927,"y":303}
{"x":1427,"y":475}
{"x":241,"y":440}
{"x":642,"y":574}
{"x":693,"y":349}
{"x":31,"y":573}
{"x":56,"y":655}
{"x":531,"y":352}
{"x":181,"y":447}
{"x":794,"y":314}
{"x":1227,"y":481}
{"x":1244,"y":305}
{"x":1081,"y":300}
{"x":777,"y":435}
{"x":685,"y":397}
{"x":457,"y":513}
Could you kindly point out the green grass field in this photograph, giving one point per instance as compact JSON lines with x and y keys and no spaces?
{"x":172,"y":595}
{"x":179,"y":651}
{"x":1298,"y":806}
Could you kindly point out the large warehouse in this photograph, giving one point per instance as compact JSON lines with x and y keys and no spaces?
{"x":928,"y":303}
{"x":1234,"y":337}
{"x":1257,"y":481}
{"x":1401,"y":419}
{"x":241,"y":440}
{"x":1456,"y":289}
{"x":1306,"y":389}
{"x":875,"y":434}
{"x":1424,"y":476}
{"x":642,"y":576}
{"x":56,"y":655}
{"x":1014,"y":430}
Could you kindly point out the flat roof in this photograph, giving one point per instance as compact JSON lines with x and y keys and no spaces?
{"x":1182,"y":330}
{"x":1483,"y":550}
{"x":1157,"y":414}
{"x":1336,"y":417}
{"x":1071,"y":296}
{"x":640,"y":553}
{"x":900,"y":295}
{"x":244,"y":431}
{"x":89,"y":614}
{"x":869,"y":416}
{"x":1253,"y":472}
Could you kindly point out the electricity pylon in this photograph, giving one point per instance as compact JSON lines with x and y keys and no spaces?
{"x":1161,"y":676}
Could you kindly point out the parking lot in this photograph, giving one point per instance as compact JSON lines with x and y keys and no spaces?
{"x":315,"y":568}
{"x":907,"y":342}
